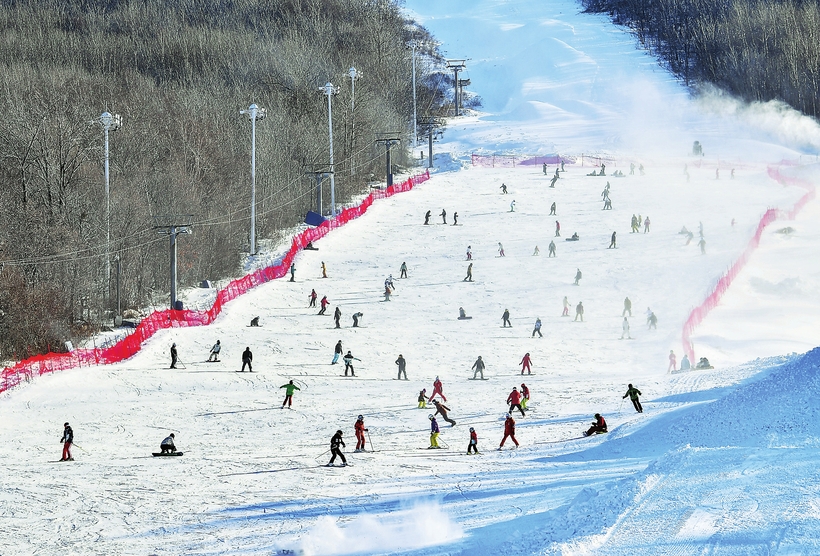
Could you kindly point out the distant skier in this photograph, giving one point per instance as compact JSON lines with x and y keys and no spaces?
{"x":598,"y":426}
{"x":337,"y":352}
{"x":348,"y":359}
{"x":503,"y":189}
{"x":631,"y":168}
{"x":337,"y":315}
{"x":566,"y":307}
{"x":455,"y":219}
{"x":67,"y":440}
{"x":512,"y":206}
{"x":167,"y":445}
{"x":612,"y":242}
{"x":553,"y":181}
{"x":387,"y":293}
{"x":525,"y":396}
{"x":514,"y":399}
{"x":462,"y":315}
{"x":646,"y":225}
{"x":442,"y":410}
{"x":557,"y":229}
{"x":403,"y":270}
{"x":685,"y":365}
{"x":388,"y":283}
{"x":578,"y":276}
{"x":434,"y":431}
{"x":526,"y":363}
{"x":472,"y":447}
{"x":324,"y":270}
{"x":653,"y":322}
{"x":356,"y":317}
{"x":402,"y":363}
{"x":478,"y":367}
{"x":536,"y":252}
{"x":438,"y":390}
{"x":544,"y":169}
{"x":443,"y":216}
{"x":509,"y":431}
{"x":469,"y":253}
{"x":214,"y":356}
{"x":335,"y":442}
{"x":627,"y":307}
{"x":579,"y":311}
{"x":605,"y":192}
{"x":641,"y":169}
{"x":173,"y":356}
{"x":247,"y":358}
{"x":469,"y":277}
{"x":324,"y":303}
{"x":551,"y":249}
{"x":537,"y":329}
{"x":633,"y":394}
{"x":427,"y":217}
{"x":556,"y":172}
{"x":673,"y":362}
{"x":359,"y":429}
{"x":562,"y":166}
{"x":702,"y":245}
{"x":625,"y":327}
{"x":500,"y":249}
{"x":313,"y":296}
{"x":607,"y":204}
{"x":293,"y":272}
{"x":255,"y":322}
{"x":290,"y":388}
{"x":552,"y":210}
{"x":603,"y":170}
{"x":634,"y":224}
{"x":423,"y":398}
{"x":505,"y":319}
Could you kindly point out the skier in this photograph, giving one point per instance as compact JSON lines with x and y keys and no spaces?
{"x":423,"y":398}
{"x":514,"y":399}
{"x":214,"y":356}
{"x":505,"y":319}
{"x":387,"y":293}
{"x":634,"y":224}
{"x":167,"y":445}
{"x":557,"y":229}
{"x":612,"y":242}
{"x":469,"y":253}
{"x":673,"y":362}
{"x":324,"y":270}
{"x":598,"y":426}
{"x":579,"y":311}
{"x":566,"y":307}
{"x":556,"y":173}
{"x":360,"y":430}
{"x":337,"y":314}
{"x":607,"y":204}
{"x":173,"y":356}
{"x":653,"y":322}
{"x":641,"y":169}
{"x":67,"y":440}
{"x":313,"y":296}
{"x":603,"y":170}
{"x":702,"y":245}
{"x":525,"y":396}
{"x":437,"y":390}
{"x":625,"y":327}
{"x":633,"y":394}
{"x":356,"y":317}
{"x":293,"y":272}
{"x":627,"y":307}
{"x":631,"y":168}
{"x":500,"y":249}
{"x":536,"y":252}
{"x":479,"y":368}
{"x":290,"y":388}
{"x":525,"y":364}
{"x":472,"y":447}
{"x":512,"y":206}
{"x":544,"y":169}
{"x":552,"y":210}
{"x":442,"y":410}
{"x":337,"y":352}
{"x":402,"y":363}
{"x":348,"y":359}
{"x":388,"y":283}
{"x":469,"y":277}
{"x":646,"y":225}
{"x":537,"y":329}
{"x":247,"y":357}
{"x":509,"y":431}
{"x":685,"y":365}
{"x":552,"y":249}
{"x":605,"y":192}
{"x":335,"y":442}
{"x":403,"y":270}
{"x":443,"y":216}
{"x":427,"y":218}
{"x":434,"y":431}
{"x":562,"y":166}
{"x":324,"y":303}
{"x":553,"y":181}
{"x":455,"y":219}
{"x":578,"y":276}
{"x":503,"y":189}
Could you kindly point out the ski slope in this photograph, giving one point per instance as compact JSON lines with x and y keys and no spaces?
{"x":720,"y":462}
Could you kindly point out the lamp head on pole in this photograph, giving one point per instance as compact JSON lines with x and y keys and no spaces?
{"x":110,"y":122}
{"x":329,"y":89}
{"x":353,"y":73}
{"x":254,"y":112}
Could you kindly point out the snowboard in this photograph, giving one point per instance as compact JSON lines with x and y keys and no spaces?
{"x":478,"y":379}
{"x":161,"y":455}
{"x":244,"y":371}
{"x":465,"y":318}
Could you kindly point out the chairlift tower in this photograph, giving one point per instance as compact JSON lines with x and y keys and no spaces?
{"x":173,"y":225}
{"x":431,"y":124}
{"x":319,"y":172}
{"x":388,"y":139}
{"x":456,"y":66}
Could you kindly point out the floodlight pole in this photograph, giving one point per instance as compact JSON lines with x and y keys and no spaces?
{"x":109,"y":122}
{"x":330,"y":90}
{"x":354,"y":74}
{"x":254,"y":113}
{"x":414,"y":45}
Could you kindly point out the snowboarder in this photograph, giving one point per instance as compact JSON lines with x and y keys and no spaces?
{"x":553,"y":181}
{"x":402,"y":363}
{"x":509,"y":431}
{"x":653,"y":322}
{"x":67,"y":440}
{"x":536,"y":252}
{"x":578,"y":276}
{"x":631,"y":168}
{"x":605,"y":192}
{"x":525,"y":396}
{"x":557,"y":229}
{"x":646,"y":225}
{"x":462,"y":315}
{"x":625,"y":327}
{"x":512,"y":206}
{"x":500,"y":249}
{"x":387,"y":293}
{"x":255,"y":322}
{"x":673,"y":362}
{"x":348,"y":359}
{"x":514,"y":399}
{"x":478,"y":367}
{"x":551,"y":249}
{"x":503,"y":189}
{"x":167,"y":445}
{"x":337,"y":352}
{"x":579,"y":311}
{"x":293,"y":272}
{"x":525,"y":364}
{"x":566,"y":307}
{"x":403,"y":270}
{"x":423,"y":398}
{"x":598,"y":426}
{"x":443,"y":216}
{"x":335,"y":442}
{"x":247,"y":358}
{"x":505,"y":319}
{"x":612,"y":242}
{"x":290,"y":388}
{"x":537,"y":329}
{"x":313,"y":296}
{"x":324,"y":303}
{"x":703,"y":363}
{"x":359,"y":429}
{"x":434,"y":431}
{"x":603,"y":170}
{"x":607,"y":204}
{"x":356,"y":317}
{"x":337,"y":315}
{"x":469,"y":253}
{"x":469,"y":277}
{"x":552,"y":210}
{"x":442,"y":410}
{"x":388,"y":283}
{"x":627,"y":307}
{"x":173,"y":356}
{"x":437,"y":390}
{"x":427,"y":217}
{"x":633,"y":394}
{"x":556,"y":172}
{"x":472,"y":447}
{"x":214,"y":356}
{"x":455,"y":219}
{"x":702,"y":245}
{"x":324,"y":270}
{"x":685,"y":365}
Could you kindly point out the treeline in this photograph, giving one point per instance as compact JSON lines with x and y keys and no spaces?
{"x":178,"y":71}
{"x":756,"y":49}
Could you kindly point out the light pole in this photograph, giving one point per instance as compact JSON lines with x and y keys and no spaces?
{"x":354,"y":74}
{"x":330,"y":90}
{"x":254,"y":114}
{"x":414,"y":45}
{"x":109,"y":122}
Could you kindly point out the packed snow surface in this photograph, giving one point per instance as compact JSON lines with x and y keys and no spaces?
{"x":722,"y":461}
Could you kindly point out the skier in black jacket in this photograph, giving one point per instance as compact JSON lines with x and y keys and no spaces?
{"x":173,"y":356}
{"x":337,"y":314}
{"x":335,"y":442}
{"x":247,"y":358}
{"x":67,"y":440}
{"x":633,"y":394}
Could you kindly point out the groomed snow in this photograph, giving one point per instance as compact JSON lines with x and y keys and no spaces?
{"x":720,"y":462}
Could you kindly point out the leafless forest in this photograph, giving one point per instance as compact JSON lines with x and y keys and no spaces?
{"x":178,"y":71}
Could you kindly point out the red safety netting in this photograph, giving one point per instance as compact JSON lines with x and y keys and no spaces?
{"x":159,"y":320}
{"x":701,"y":311}
{"x":510,"y":161}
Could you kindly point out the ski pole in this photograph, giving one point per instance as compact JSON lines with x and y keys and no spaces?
{"x":371,"y":442}
{"x":80,"y":447}
{"x":620,"y":407}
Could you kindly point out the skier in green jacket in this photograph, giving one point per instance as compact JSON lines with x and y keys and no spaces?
{"x":633,"y":394}
{"x":290,"y":388}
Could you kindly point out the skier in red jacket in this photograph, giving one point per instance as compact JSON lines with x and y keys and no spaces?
{"x":360,"y":430}
{"x":514,"y":399}
{"x":525,"y":364}
{"x":472,"y":447}
{"x":509,"y":431}
{"x":437,"y":390}
{"x":598,"y":426}
{"x":324,"y":303}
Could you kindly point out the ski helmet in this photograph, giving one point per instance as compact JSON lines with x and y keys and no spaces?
{"x":172,"y":435}
{"x":472,"y":429}
{"x":515,"y":388}
{"x":360,"y":418}
{"x":339,"y":433}
{"x":65,"y":424}
{"x":430,"y":416}
{"x":508,"y":415}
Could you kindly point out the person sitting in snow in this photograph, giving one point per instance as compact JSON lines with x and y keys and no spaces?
{"x":598,"y":426}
